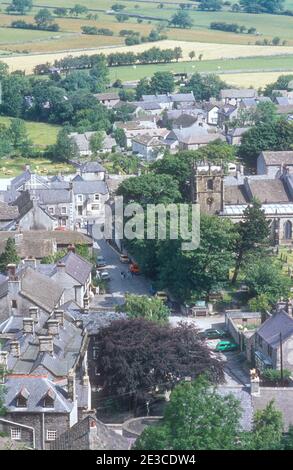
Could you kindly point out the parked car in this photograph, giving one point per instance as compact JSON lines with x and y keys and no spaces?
{"x":124,"y":259}
{"x":104,"y":275}
{"x":100,"y":261}
{"x":226,"y":346}
{"x":213,"y":333}
{"x":134,"y":268}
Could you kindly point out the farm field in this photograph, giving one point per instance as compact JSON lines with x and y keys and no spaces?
{"x":254,"y":79}
{"x":14,"y":166}
{"x":208,"y":51}
{"x":40,"y":133}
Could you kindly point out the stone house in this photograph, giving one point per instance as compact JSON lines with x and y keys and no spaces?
{"x":242,"y":326}
{"x":137,"y":128}
{"x":148,"y":147}
{"x":234,"y":136}
{"x":272,"y":163}
{"x":274,"y":335}
{"x":89,"y":200}
{"x":57,"y":203}
{"x":92,"y":171}
{"x":192,"y":140}
{"x":108,"y":99}
{"x":234,"y":96}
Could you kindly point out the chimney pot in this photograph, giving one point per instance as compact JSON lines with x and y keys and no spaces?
{"x":34,"y":313}
{"x":71,"y":385}
{"x":59,"y":315}
{"x":30,"y":262}
{"x":11,"y":271}
{"x":3,"y":359}
{"x":53,"y":327}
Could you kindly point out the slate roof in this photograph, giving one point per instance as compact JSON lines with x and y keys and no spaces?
{"x":185,"y":120}
{"x":238,"y":93}
{"x":92,"y":167}
{"x":269,"y":191}
{"x":8,"y":212}
{"x":270,"y":330}
{"x":82,"y":140}
{"x":47,"y":294}
{"x":21,"y":179}
{"x":202,"y":136}
{"x":77,"y":267}
{"x":37,"y":387}
{"x":243,"y":396}
{"x":278,"y":158}
{"x":238,"y":131}
{"x":288,"y":109}
{"x":89,"y":187}
{"x":49,"y":196}
{"x":107,"y":96}
{"x":235,"y":194}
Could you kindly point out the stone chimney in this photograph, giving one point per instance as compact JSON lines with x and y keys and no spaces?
{"x":71,"y":248}
{"x":15,"y":348}
{"x":53,"y":327}
{"x":86,"y":302}
{"x":34,"y":313}
{"x":71,"y":385}
{"x":46,"y":344}
{"x":61,"y":267}
{"x":30,"y":262}
{"x":11,"y":271}
{"x":254,"y":383}
{"x":28,"y":325}
{"x":59,"y":315}
{"x":3,"y":360}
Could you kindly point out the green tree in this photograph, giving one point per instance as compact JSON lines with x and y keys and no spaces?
{"x":196,"y":418}
{"x":288,"y":439}
{"x":143,"y":88}
{"x":142,"y":306}
{"x":120,"y":137}
{"x":252,"y":231}
{"x":181,"y":19}
{"x":205,"y":87}
{"x":162,"y":82}
{"x":20,"y":6}
{"x":267,"y":430}
{"x":210,"y":5}
{"x":19,"y":137}
{"x":96,"y":142}
{"x":260,"y":303}
{"x":44,"y":18}
{"x":264,"y":276}
{"x":64,"y":149}
{"x":9,"y":255}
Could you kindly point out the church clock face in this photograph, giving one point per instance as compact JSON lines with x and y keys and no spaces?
{"x":210,"y":200}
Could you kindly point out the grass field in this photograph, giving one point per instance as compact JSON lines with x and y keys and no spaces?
{"x":40,"y":133}
{"x":14,"y":166}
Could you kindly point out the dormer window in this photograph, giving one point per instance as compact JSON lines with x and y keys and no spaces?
{"x":22,"y":398}
{"x":97,"y":197}
{"x":49,"y":399}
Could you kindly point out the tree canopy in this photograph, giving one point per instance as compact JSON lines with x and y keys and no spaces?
{"x":9,"y":255}
{"x":143,"y":306}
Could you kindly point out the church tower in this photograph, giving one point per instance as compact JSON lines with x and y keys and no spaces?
{"x":208,"y":188}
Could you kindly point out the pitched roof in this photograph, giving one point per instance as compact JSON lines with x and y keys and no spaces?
{"x":107,"y":96}
{"x":49,"y":196}
{"x":77,"y":267}
{"x":201,"y":136}
{"x":89,"y":187}
{"x":278,"y":158}
{"x":92,"y":167}
{"x":283,"y":399}
{"x":238,"y":93}
{"x":238,"y":131}
{"x":37,"y":387}
{"x":8,"y":212}
{"x":278,"y":323}
{"x":268,"y":191}
{"x":48,"y":292}
{"x":235,"y":194}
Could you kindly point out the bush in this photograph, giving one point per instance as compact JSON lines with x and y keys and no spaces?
{"x":273,"y":376}
{"x":132,"y":40}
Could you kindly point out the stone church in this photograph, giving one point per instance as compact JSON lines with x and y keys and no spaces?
{"x":228,"y":196}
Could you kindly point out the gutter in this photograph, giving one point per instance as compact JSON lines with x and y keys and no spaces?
{"x":22,"y":426}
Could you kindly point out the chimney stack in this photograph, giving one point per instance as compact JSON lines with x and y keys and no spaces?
{"x":3,"y":360}
{"x":15,"y":348}
{"x":71,"y":385}
{"x":11,"y":271}
{"x":34,"y":313}
{"x":71,"y":248}
{"x":86,"y":302}
{"x":59,"y":315}
{"x":46,"y":344}
{"x":28,"y":325}
{"x":61,"y":267}
{"x":53,"y":327}
{"x":30,"y":262}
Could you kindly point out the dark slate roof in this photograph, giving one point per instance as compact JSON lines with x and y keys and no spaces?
{"x":235,"y":194}
{"x":56,"y":196}
{"x":238,"y":93}
{"x":269,"y":191}
{"x":40,"y":289}
{"x":8,"y":212}
{"x":37,"y":387}
{"x":95,"y":321}
{"x":185,"y":120}
{"x":243,"y":396}
{"x":92,"y":167}
{"x":77,"y":267}
{"x":89,"y":187}
{"x":270,"y":330}
{"x":107,"y":96}
{"x":21,"y":179}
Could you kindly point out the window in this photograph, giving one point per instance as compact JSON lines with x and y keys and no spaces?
{"x":97,"y":197}
{"x":79,"y":198}
{"x":21,"y":402}
{"x":63,"y":222}
{"x":288,"y":230}
{"x":260,"y":341}
{"x":270,"y":351}
{"x":210,"y":184}
{"x":13,"y":304}
{"x":48,"y":402}
{"x":95,"y":352}
{"x":51,"y":435}
{"x":15,"y":434}
{"x":63,"y":210}
{"x":51,"y":210}
{"x":95,"y":207}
